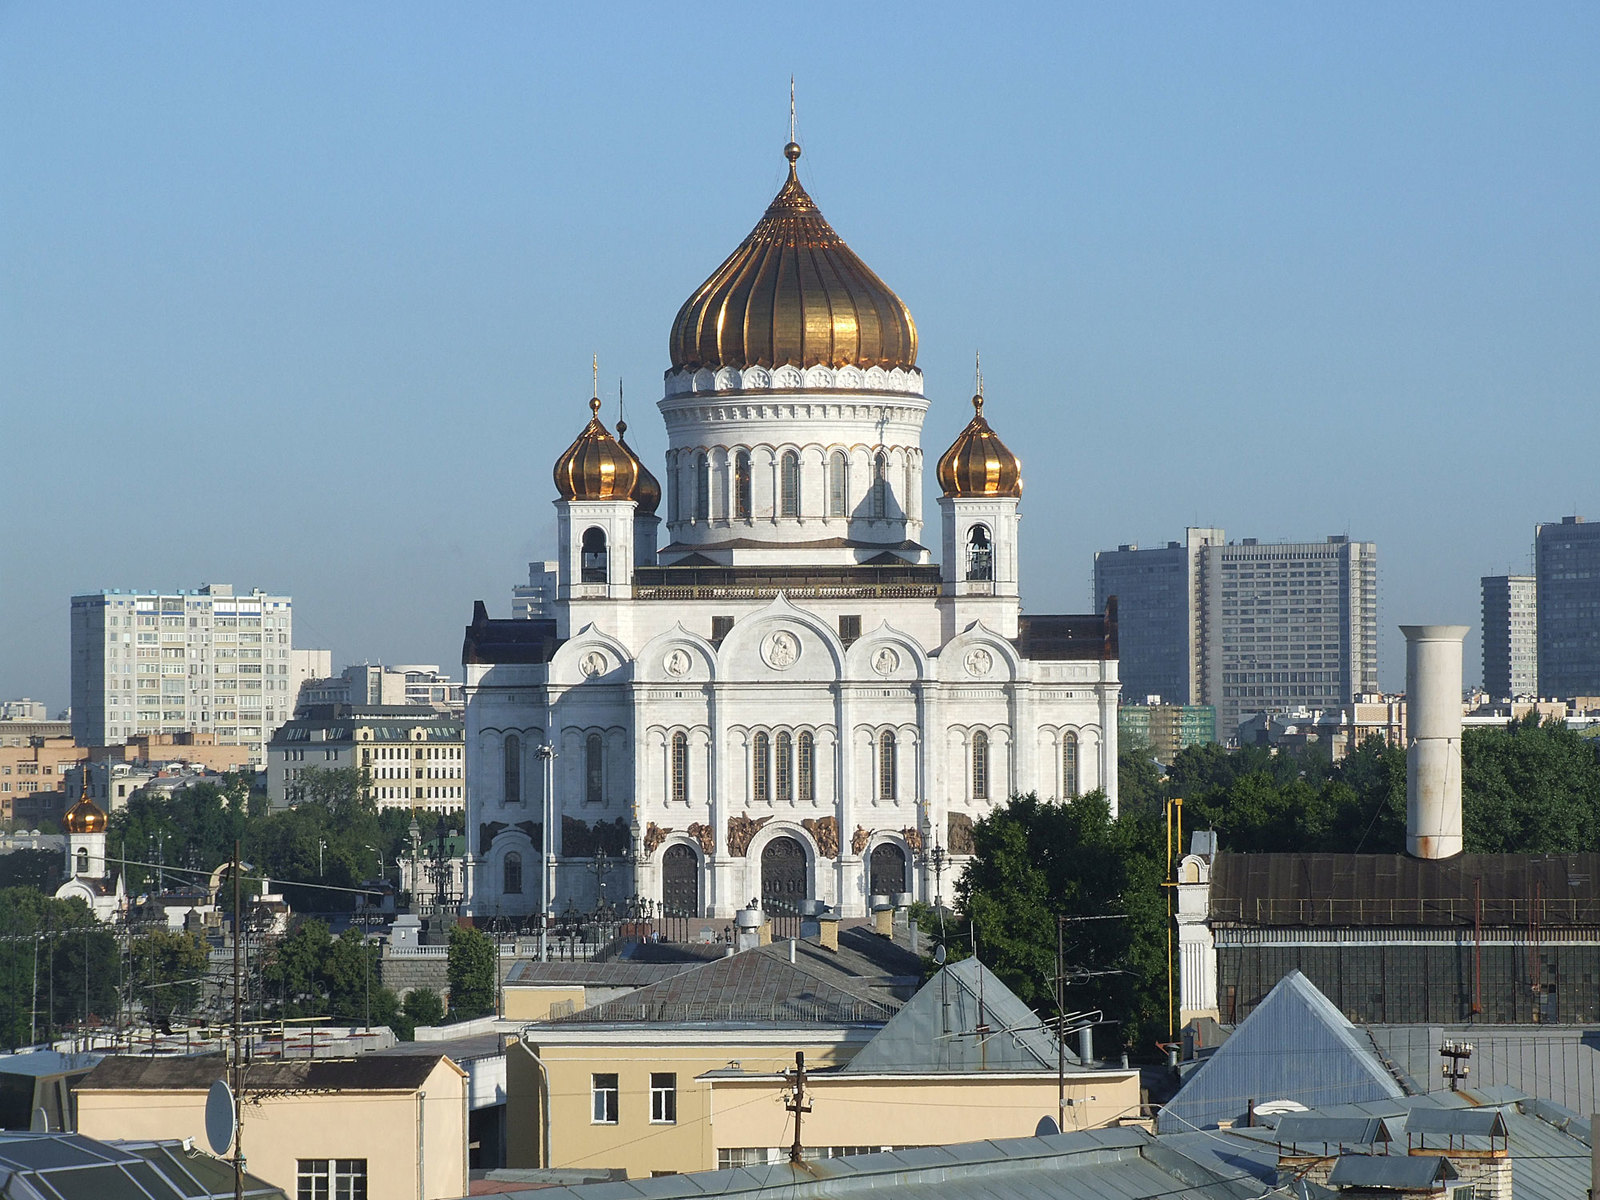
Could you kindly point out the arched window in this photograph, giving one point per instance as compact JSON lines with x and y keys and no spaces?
{"x":807,"y":762}
{"x":880,"y":485}
{"x":783,"y":769}
{"x":838,"y":484}
{"x":511,"y":871}
{"x":675,"y":495}
{"x":702,"y":488}
{"x":741,"y":485}
{"x":680,"y":766}
{"x":980,"y":553}
{"x":886,"y":765}
{"x":512,"y":752}
{"x":594,"y":555}
{"x":594,"y":775}
{"x":789,"y":485}
{"x":980,"y":765}
{"x":1069,"y":766}
{"x":760,"y":764}
{"x":83,"y":861}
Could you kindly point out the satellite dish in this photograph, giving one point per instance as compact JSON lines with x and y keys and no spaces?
{"x":40,"y":1122}
{"x":939,"y":956}
{"x":219,"y":1117}
{"x":1046,"y":1127}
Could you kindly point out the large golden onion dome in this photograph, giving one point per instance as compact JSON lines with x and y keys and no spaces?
{"x":647,"y":489}
{"x":594,"y":467}
{"x":793,"y":294}
{"x":85,"y":816}
{"x":978,"y":463}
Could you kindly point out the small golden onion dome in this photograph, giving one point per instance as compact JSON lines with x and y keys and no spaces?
{"x":85,"y":816}
{"x":647,"y":490}
{"x":793,"y":294}
{"x":978,"y":463}
{"x":594,"y":467}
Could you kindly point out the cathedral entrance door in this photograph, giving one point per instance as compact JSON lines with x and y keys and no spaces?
{"x":783,"y":877}
{"x":887,"y":874}
{"x":680,"y":882}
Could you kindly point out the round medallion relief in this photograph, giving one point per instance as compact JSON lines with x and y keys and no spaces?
{"x":592,"y":664}
{"x":886,"y":661}
{"x":677,"y":663}
{"x":781,"y":650}
{"x":979,"y":661}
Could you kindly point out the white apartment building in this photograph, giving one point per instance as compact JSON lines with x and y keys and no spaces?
{"x":1510,"y":636}
{"x":166,"y":662}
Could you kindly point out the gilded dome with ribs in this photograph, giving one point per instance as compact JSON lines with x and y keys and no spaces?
{"x":595,"y":467}
{"x":978,"y":463}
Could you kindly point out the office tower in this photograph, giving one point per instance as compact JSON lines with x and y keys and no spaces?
{"x":1567,"y":567}
{"x":1510,"y":636}
{"x":1246,"y":626}
{"x":166,"y":662}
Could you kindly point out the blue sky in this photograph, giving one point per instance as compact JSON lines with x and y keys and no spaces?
{"x":303,"y":296}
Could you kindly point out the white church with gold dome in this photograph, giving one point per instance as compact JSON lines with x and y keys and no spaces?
{"x":781,"y":695}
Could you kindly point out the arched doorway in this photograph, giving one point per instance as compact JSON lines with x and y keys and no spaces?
{"x":886,"y":875}
{"x":680,"y":882}
{"x":783,"y":877}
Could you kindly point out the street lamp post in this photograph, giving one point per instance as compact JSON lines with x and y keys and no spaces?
{"x":546,"y":754}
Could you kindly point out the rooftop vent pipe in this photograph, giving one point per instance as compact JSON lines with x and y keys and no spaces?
{"x":1433,"y":748}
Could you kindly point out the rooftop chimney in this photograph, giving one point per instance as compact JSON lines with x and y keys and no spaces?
{"x":1433,"y":750}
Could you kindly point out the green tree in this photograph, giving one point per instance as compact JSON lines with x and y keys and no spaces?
{"x":1531,"y":788}
{"x":472,"y":973}
{"x":59,"y":966}
{"x":169,"y":970}
{"x":1139,"y":783}
{"x":424,"y":1006}
{"x":39,"y":869}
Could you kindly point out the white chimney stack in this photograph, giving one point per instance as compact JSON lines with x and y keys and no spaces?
{"x":1433,"y":751}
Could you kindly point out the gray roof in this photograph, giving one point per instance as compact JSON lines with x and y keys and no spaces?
{"x":68,"y":1164}
{"x":942,"y":1030}
{"x":1554,"y":1062}
{"x":1310,"y":1128}
{"x":863,"y":982}
{"x":1293,"y":1046}
{"x":370,"y":1072}
{"x":612,"y":973}
{"x":1457,"y":1122}
{"x":1391,"y":1171}
{"x":46,"y":1062}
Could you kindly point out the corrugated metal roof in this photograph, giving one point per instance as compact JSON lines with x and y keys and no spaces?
{"x":1294,"y":1046}
{"x":612,"y":973}
{"x":1340,"y":890}
{"x":1457,"y":1122}
{"x":1554,"y":1062}
{"x":1391,"y":1171}
{"x":1303,"y":1129}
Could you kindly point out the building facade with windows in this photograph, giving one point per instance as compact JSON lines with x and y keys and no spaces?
{"x":1247,"y":626}
{"x":205,"y":660}
{"x":790,"y":698}
{"x":410,"y":757}
{"x":1567,"y":567}
{"x":1510,"y":636}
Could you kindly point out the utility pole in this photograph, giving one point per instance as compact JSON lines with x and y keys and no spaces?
{"x":238,"y":1064}
{"x":798,"y":1105}
{"x":1061,"y":1024}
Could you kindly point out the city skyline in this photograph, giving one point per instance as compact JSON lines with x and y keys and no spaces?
{"x":306,"y":300}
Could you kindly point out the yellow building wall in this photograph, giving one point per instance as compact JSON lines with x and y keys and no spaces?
{"x":914,"y":1111}
{"x":382,"y":1127}
{"x":634,"y":1143}
{"x":526,"y":1003}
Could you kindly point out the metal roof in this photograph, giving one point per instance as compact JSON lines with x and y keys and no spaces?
{"x":610,"y":974}
{"x":33,"y":1165}
{"x":370,"y":1072}
{"x":1391,"y":1171}
{"x":1340,"y":890}
{"x":1309,"y":1128}
{"x":1554,"y":1062}
{"x":1457,"y":1122}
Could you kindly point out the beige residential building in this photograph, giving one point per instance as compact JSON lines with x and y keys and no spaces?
{"x":384,"y":1126}
{"x":32,"y":779}
{"x":413,"y":757}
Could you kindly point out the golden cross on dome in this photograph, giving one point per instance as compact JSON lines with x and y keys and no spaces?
{"x":791,"y":108}
{"x":977,"y":372}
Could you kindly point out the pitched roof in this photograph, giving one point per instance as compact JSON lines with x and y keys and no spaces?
{"x":1295,"y":1045}
{"x":963,"y":1019}
{"x":860,"y":983}
{"x":1560,"y":1063}
{"x":69,"y":1164}
{"x":369,"y":1073}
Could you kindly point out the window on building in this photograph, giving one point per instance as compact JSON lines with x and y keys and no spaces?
{"x":720,"y":628}
{"x":702,"y":488}
{"x":880,"y":485}
{"x":593,"y":567}
{"x":741,"y":485}
{"x":806,"y":761}
{"x":760,"y":764}
{"x":980,"y":553}
{"x":512,"y":752}
{"x":1069,"y":766}
{"x":680,"y":766}
{"x":783,"y":768}
{"x":594,"y":750}
{"x":331,"y":1179}
{"x":511,"y":882}
{"x":980,"y":765}
{"x":83,"y":862}
{"x":603,"y":1099}
{"x":663,"y":1098}
{"x":789,"y":485}
{"x":838,"y":484}
{"x":886,"y":765}
{"x":849,"y":627}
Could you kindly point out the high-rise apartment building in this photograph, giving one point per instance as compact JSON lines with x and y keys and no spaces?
{"x":205,"y":660}
{"x":1567,"y":568}
{"x":1510,"y":636}
{"x":1245,"y":626}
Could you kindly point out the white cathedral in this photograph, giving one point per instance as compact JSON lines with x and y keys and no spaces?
{"x":789,"y":700}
